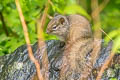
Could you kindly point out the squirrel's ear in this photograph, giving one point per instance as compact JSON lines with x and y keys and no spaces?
{"x":56,"y":14}
{"x":61,"y":20}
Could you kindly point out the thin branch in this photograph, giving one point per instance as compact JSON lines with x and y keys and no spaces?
{"x":40,"y":27}
{"x":100,"y":7}
{"x":50,"y":2}
{"x":97,"y":32}
{"x":106,"y":34}
{"x":43,"y":19}
{"x":30,"y":53}
{"x":4,"y":25}
{"x":50,"y":17}
{"x":105,"y":65}
{"x":96,"y":20}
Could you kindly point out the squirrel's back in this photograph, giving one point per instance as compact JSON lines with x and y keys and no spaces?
{"x":79,"y":27}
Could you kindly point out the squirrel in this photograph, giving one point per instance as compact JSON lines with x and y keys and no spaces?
{"x":76,"y":32}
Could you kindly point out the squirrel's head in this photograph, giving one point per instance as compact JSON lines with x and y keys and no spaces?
{"x":58,"y":26}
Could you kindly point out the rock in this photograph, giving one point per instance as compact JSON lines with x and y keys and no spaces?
{"x":17,"y":65}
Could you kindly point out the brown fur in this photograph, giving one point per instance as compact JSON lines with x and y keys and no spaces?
{"x":76,"y":32}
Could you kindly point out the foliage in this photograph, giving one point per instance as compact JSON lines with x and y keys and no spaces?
{"x":33,"y":9}
{"x":110,"y":23}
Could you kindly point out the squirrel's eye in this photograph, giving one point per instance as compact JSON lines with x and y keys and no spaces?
{"x":54,"y":27}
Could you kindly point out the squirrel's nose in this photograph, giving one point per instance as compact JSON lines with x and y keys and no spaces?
{"x":47,"y":31}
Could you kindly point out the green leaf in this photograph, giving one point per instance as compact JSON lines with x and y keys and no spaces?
{"x":50,"y":37}
{"x":56,"y":9}
{"x":112,"y":35}
{"x":74,"y":9}
{"x":113,"y":79}
{"x":116,"y":44}
{"x":1,"y":7}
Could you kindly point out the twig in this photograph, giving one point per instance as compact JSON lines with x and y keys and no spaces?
{"x":5,"y":27}
{"x":40,"y":27}
{"x":30,"y":53}
{"x":106,"y":34}
{"x":105,"y":65}
{"x":100,"y":7}
{"x":103,"y":5}
{"x":3,"y":23}
{"x":50,"y":17}
{"x":43,"y":19}
{"x":95,"y":15}
{"x":97,"y":32}
{"x":50,"y":2}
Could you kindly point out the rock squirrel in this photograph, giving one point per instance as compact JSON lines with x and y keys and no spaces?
{"x":76,"y":32}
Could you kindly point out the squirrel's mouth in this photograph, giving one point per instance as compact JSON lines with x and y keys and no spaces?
{"x":48,"y":31}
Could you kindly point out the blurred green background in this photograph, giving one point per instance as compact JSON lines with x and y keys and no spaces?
{"x":11,"y":32}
